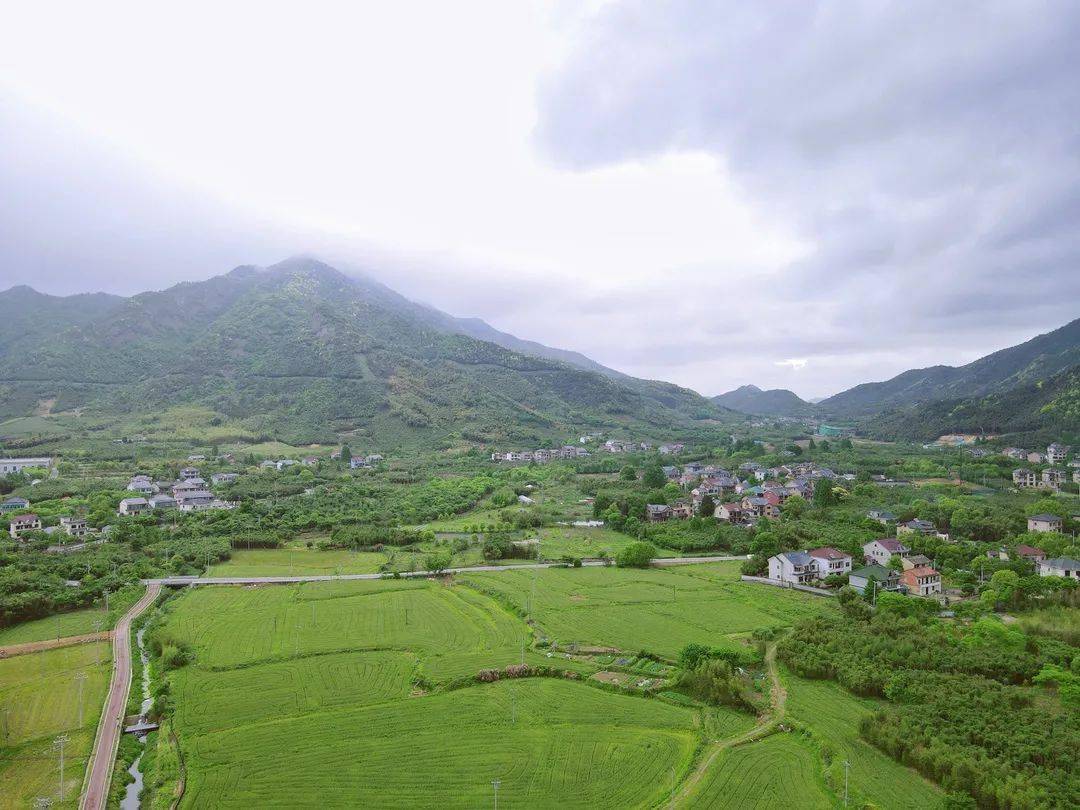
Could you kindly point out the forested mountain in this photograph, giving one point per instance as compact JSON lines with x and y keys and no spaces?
{"x":1047,"y":410}
{"x":301,"y":351}
{"x":1037,"y":359}
{"x":27,"y":316}
{"x":774,"y":402}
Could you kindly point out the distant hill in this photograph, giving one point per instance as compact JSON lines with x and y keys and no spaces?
{"x":774,"y":402}
{"x":303,"y":352}
{"x":1037,"y":359}
{"x":1047,"y":410}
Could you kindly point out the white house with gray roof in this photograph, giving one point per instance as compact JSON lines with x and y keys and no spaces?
{"x":795,"y":567}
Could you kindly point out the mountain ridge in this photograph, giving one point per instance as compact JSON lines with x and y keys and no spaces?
{"x":303,"y":350}
{"x":773,"y":402}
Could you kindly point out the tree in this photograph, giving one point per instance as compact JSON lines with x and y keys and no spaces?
{"x":895,"y":563}
{"x":1004,"y":583}
{"x":794,"y":507}
{"x":346,"y":454}
{"x":628,"y":473}
{"x":635,"y":555}
{"x":823,"y":494}
{"x":496,"y":547}
{"x":654,"y":477}
{"x":708,"y":507}
{"x":437,"y":561}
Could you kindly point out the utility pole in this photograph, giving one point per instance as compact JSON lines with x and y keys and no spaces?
{"x":106,"y":601}
{"x":80,"y":678}
{"x":60,"y":742}
{"x":57,"y":626}
{"x":7,"y":713}
{"x":98,"y":624}
{"x":495,"y":784}
{"x":847,"y":770}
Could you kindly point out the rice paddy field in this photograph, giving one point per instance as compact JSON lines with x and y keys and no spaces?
{"x":286,"y":562}
{"x":39,"y":701}
{"x":656,"y":609}
{"x":74,"y":623}
{"x":364,"y":693}
{"x":834,"y":713}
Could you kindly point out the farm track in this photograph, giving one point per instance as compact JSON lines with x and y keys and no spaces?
{"x":766,"y":725}
{"x":103,"y":756}
{"x":52,"y":643}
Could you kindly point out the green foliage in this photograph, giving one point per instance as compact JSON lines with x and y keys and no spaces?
{"x":635,"y":555}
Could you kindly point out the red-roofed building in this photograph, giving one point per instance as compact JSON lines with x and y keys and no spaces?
{"x":830,"y":561}
{"x":922,"y":580}
{"x":1030,"y":553}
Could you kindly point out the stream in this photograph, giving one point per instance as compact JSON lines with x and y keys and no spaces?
{"x":134,"y":789}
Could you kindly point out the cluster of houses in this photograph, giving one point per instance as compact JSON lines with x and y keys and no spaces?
{"x":1050,"y":478}
{"x":71,"y":525}
{"x":542,"y":456}
{"x":9,"y":466}
{"x":570,"y":451}
{"x":189,"y":493}
{"x":752,"y":493}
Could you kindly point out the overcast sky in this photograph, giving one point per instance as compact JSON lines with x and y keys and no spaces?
{"x":802,"y":195}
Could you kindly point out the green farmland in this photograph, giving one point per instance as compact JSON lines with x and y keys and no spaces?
{"x":39,"y":700}
{"x":386,"y":669}
{"x":287,"y":562}
{"x":658,"y":609}
{"x":74,"y":623}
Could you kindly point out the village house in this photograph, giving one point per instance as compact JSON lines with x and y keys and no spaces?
{"x":133,"y":506}
{"x":793,"y":567}
{"x":189,"y":472}
{"x":915,"y":527}
{"x":307,"y":461}
{"x":1030,"y":553}
{"x":829,"y":561}
{"x":915,"y":560}
{"x":24,"y":523}
{"x":196,"y":499}
{"x":1044,"y":523}
{"x":671,"y":449}
{"x":162,"y":501}
{"x":285,"y":462}
{"x":224,"y":478}
{"x":682,"y":509}
{"x":196,"y":457}
{"x":671,"y":473}
{"x":731,"y":512}
{"x":882,"y":550}
{"x":73,"y":526}
{"x":1056,"y":453}
{"x":1053,"y":478}
{"x":141,"y":484}
{"x":862,"y":579}
{"x":16,"y":465}
{"x":1024,"y":478}
{"x":1060,"y":567}
{"x":14,"y":504}
{"x":881,"y":516}
{"x":1018,"y":453}
{"x":657,"y":512}
{"x":757,"y":507}
{"x":181,"y":487}
{"x":921,"y":580}
{"x":1036,"y":458}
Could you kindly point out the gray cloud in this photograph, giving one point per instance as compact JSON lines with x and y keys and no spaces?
{"x":930,"y":152}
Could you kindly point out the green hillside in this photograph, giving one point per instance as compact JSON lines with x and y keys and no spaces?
{"x":774,"y":402}
{"x":1025,"y":364}
{"x":1048,"y":409}
{"x":304,"y":353}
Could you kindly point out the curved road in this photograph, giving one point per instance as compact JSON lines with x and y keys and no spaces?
{"x":99,"y":773}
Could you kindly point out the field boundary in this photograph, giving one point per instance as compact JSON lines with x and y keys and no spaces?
{"x":53,"y":643}
{"x":788,"y":585}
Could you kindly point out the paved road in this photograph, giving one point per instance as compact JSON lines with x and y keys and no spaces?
{"x":662,"y":562}
{"x":96,"y":790}
{"x":48,"y":644}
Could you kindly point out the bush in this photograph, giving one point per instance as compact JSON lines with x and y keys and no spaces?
{"x":635,"y":555}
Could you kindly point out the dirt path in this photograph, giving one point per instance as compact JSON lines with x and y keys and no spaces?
{"x":99,"y":772}
{"x":52,"y":643}
{"x":765,"y":725}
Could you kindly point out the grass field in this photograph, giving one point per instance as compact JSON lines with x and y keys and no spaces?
{"x":778,"y":771}
{"x":286,"y":562}
{"x":75,"y":623}
{"x":333,"y":689}
{"x":39,"y":696}
{"x":578,"y":541}
{"x":660,"y":610}
{"x":834,"y":713}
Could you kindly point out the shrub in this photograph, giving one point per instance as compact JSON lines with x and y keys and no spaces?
{"x":635,"y":555}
